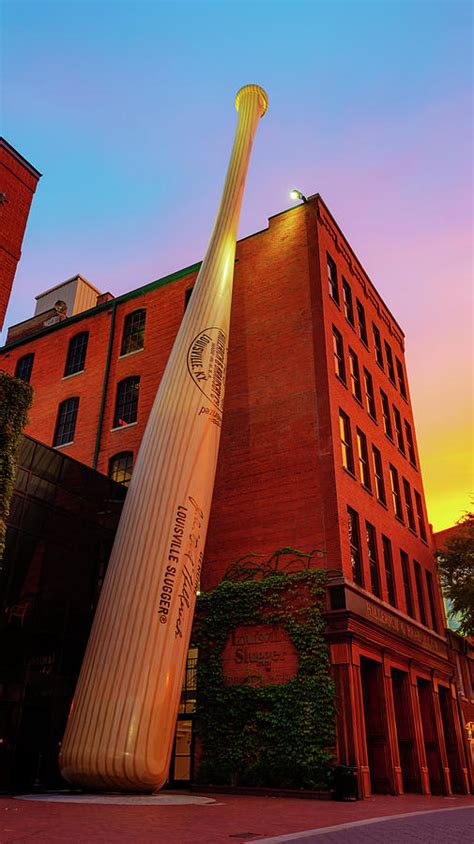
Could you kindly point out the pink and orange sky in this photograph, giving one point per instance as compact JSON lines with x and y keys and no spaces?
{"x":127,"y":109}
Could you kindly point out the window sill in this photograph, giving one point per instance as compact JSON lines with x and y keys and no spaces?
{"x":122,"y":427}
{"x":364,"y":342}
{"x":399,"y":519}
{"x":359,"y":401}
{"x":341,"y":381}
{"x":72,"y":375}
{"x":374,"y":418}
{"x":64,"y":445}
{"x":380,"y":366}
{"x":414,"y":465}
{"x":367,"y":489}
{"x":402,"y":453}
{"x":129,"y":354}
{"x":335,"y":301}
{"x":348,"y":472}
{"x":382,"y":503}
{"x":413,"y":531}
{"x":389,"y":438}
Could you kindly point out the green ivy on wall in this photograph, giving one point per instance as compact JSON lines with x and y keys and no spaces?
{"x":15,"y":401}
{"x":271,"y":735}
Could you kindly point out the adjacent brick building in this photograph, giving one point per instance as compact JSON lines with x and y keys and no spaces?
{"x":18,"y":180}
{"x":318,"y":450}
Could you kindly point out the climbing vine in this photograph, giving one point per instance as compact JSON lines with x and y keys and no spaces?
{"x":15,"y":401}
{"x":267,"y":735}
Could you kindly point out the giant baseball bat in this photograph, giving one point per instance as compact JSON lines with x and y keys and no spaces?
{"x":123,"y":716}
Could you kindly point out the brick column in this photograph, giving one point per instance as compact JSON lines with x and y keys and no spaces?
{"x":420,"y":751}
{"x":394,"y":754}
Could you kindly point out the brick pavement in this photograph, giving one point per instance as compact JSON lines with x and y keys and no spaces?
{"x":230,"y":818}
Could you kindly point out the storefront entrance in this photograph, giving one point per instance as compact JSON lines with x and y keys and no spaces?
{"x":433,"y":759}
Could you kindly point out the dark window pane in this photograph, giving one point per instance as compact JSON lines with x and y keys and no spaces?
{"x":338,"y":348}
{"x":361,"y":322}
{"x":401,"y":378}
{"x":409,"y":504}
{"x":410,"y":443}
{"x":398,"y":429}
{"x":76,"y":356}
{"x":126,"y":405}
{"x":133,"y":332}
{"x":388,"y":565}
{"x":396,"y":497}
{"x":387,"y":422}
{"x":407,"y":582}
{"x":429,"y":584}
{"x":377,"y":345}
{"x":66,"y":422}
{"x":390,"y":367}
{"x":373,"y":559}
{"x":419,"y":512}
{"x":354,"y":543}
{"x":355,"y":375}
{"x":378,"y":472}
{"x":24,"y":367}
{"x":369,"y":394}
{"x":348,"y":306}
{"x":332,"y":279}
{"x":419,"y":589}
{"x":363,"y":459}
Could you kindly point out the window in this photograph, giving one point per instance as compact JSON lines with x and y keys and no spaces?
{"x":390,"y":367}
{"x":363,"y":459}
{"x":76,"y":356}
{"x":120,"y":467}
{"x":332,"y":279}
{"x":338,"y":354}
{"x":187,"y":295}
{"x":387,"y":422}
{"x":361,"y":321}
{"x":419,"y":590}
{"x":429,"y":586}
{"x":401,"y":378}
{"x":126,"y":405}
{"x":398,"y":429}
{"x":377,"y":345}
{"x":369,"y":395}
{"x":355,"y":375}
{"x":410,"y":443}
{"x":354,"y":542}
{"x":419,"y":512}
{"x":388,"y":565}
{"x":133,"y":332}
{"x":348,"y":306}
{"x":409,"y":505}
{"x":373,"y":559}
{"x":24,"y":366}
{"x":378,"y":474}
{"x":396,"y":497}
{"x":66,"y":422}
{"x":346,"y":442}
{"x":407,"y":583}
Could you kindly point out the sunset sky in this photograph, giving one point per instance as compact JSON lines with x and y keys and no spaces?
{"x":127,"y":109}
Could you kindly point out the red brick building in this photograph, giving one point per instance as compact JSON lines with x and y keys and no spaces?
{"x":18,"y":180}
{"x":318,"y":450}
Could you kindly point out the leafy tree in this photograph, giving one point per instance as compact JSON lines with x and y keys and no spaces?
{"x":456,"y":570}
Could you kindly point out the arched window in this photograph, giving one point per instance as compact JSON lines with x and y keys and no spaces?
{"x":126,"y":404}
{"x":133,"y":332}
{"x":120,"y":467}
{"x":24,"y":366}
{"x":76,"y":356}
{"x":66,"y":422}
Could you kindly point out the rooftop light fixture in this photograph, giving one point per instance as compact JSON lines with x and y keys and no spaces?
{"x":296,"y":194}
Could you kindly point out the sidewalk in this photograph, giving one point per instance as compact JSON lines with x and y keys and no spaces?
{"x":228,"y":819}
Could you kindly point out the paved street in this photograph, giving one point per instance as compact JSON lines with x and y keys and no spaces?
{"x":217,"y":818}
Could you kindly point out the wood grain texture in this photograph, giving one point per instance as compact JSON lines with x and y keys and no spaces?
{"x":122,"y":720}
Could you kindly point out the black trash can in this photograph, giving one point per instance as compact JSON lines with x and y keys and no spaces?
{"x":345,"y":782}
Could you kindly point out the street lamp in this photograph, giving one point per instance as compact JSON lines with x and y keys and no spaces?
{"x":296,"y":194}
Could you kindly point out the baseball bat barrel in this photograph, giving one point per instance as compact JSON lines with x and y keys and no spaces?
{"x":122,"y":720}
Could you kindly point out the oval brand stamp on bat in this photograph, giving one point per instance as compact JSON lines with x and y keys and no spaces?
{"x":206,"y":364}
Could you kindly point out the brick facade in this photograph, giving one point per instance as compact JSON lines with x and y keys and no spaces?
{"x":280,"y":479}
{"x":18,"y":180}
